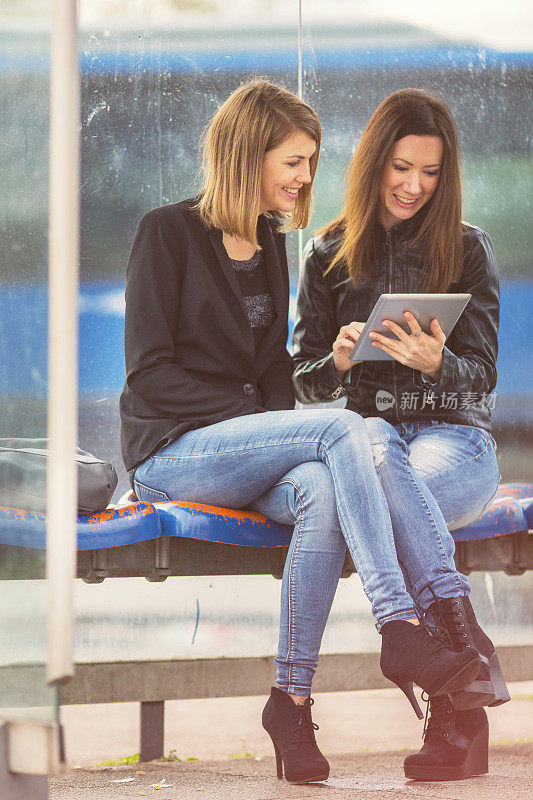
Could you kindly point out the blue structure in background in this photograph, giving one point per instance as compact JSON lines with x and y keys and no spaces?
{"x":183,"y":60}
{"x":23,"y":330}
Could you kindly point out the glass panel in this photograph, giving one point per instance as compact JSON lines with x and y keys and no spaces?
{"x":351,"y":62}
{"x":151,"y":78}
{"x":24,"y":88}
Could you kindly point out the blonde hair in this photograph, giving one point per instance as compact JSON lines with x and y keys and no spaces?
{"x":405,"y":112}
{"x":256,"y":118}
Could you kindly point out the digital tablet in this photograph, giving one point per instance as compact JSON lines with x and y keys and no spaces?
{"x":447,"y":308}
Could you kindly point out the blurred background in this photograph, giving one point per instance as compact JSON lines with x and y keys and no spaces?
{"x":152,"y":73}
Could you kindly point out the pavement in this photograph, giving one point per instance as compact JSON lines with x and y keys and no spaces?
{"x":366,"y":735}
{"x":359,"y":776}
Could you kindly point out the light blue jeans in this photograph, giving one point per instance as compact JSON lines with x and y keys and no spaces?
{"x":458,"y":465}
{"x":336,"y":478}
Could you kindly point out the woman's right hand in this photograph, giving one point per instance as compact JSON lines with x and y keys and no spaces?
{"x":343,"y":346}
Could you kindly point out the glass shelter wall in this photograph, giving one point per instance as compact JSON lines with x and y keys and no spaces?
{"x":24,"y":89}
{"x":151,"y":76}
{"x":348,"y":71}
{"x":149,"y":84}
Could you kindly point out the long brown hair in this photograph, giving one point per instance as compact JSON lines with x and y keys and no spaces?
{"x":256,"y":118}
{"x":404,"y":113}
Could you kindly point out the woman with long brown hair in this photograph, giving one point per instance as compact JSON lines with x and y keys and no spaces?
{"x":401,"y":231}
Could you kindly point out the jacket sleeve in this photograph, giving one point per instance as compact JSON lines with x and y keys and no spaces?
{"x":315,"y":330}
{"x":470,"y":353}
{"x":152,"y":302}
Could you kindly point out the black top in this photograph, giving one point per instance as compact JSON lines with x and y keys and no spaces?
{"x":326,"y":302}
{"x":253,"y":283}
{"x":191,"y":358}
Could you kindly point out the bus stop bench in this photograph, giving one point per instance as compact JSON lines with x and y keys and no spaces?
{"x":158,"y":540}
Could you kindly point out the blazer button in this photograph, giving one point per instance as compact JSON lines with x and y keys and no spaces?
{"x":248,"y":388}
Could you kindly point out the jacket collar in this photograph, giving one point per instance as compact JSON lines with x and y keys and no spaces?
{"x":215,"y":235}
{"x":277,"y":282}
{"x":404,"y":230}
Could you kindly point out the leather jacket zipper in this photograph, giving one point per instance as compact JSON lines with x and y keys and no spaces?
{"x":388,"y":244}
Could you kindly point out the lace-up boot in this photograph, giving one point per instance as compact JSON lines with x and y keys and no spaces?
{"x":455,"y":617}
{"x":292,"y":731}
{"x":456,"y":744}
{"x":410,"y":653}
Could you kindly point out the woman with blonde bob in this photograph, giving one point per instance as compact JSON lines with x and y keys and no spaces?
{"x":400,"y":231}
{"x":207,"y":410}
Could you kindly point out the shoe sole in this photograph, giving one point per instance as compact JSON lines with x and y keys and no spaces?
{"x":476,"y":763}
{"x":493,"y":692}
{"x":441,"y":773}
{"x":461,"y":679}
{"x":308,"y":780}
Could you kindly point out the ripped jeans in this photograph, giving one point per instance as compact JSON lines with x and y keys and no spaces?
{"x":315,"y":470}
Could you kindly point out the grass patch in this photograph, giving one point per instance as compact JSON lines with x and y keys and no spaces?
{"x":120,"y":762}
{"x":244,"y":753}
{"x":520,"y":740}
{"x":134,"y":759}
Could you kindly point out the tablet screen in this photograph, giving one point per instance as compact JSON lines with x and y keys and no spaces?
{"x":447,"y":308}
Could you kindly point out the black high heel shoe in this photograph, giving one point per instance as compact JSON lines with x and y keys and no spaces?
{"x":456,"y":744}
{"x":292,"y":731}
{"x":411,"y":654}
{"x":455,"y":617}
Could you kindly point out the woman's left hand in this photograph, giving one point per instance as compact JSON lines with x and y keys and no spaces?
{"x":417,"y":349}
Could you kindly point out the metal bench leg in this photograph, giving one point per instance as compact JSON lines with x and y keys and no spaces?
{"x":152,"y":730}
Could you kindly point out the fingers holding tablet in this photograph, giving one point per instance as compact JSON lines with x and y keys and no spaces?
{"x":344,"y":344}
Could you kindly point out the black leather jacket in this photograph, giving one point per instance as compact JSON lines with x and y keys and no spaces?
{"x":384,"y":388}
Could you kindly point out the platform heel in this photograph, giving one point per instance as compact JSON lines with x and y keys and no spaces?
{"x":501,"y":692}
{"x":455,"y":617}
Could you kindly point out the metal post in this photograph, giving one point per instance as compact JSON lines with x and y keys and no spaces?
{"x":63,"y":338}
{"x":152,"y":730}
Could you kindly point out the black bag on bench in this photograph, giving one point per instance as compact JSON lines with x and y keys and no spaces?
{"x":23,"y":464}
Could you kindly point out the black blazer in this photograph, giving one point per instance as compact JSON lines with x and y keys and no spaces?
{"x":190,"y":351}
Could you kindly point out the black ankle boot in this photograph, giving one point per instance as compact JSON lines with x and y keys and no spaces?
{"x":293,"y":735}
{"x":456,"y":744}
{"x":409,"y":653}
{"x":456,"y":616}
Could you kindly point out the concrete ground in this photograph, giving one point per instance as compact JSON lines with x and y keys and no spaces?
{"x":365,"y":735}
{"x":359,"y":776}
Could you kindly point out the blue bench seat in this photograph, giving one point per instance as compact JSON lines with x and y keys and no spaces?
{"x":133,"y":521}
{"x":212,"y":524}
{"x":504,"y":516}
{"x":128,"y":524}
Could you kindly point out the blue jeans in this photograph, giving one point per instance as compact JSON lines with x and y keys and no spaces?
{"x":458,"y":465}
{"x":315,"y":469}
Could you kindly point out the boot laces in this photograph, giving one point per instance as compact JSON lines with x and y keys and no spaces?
{"x":439,"y":717}
{"x":449,"y":624}
{"x":303,"y":727}
{"x":433,"y":639}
